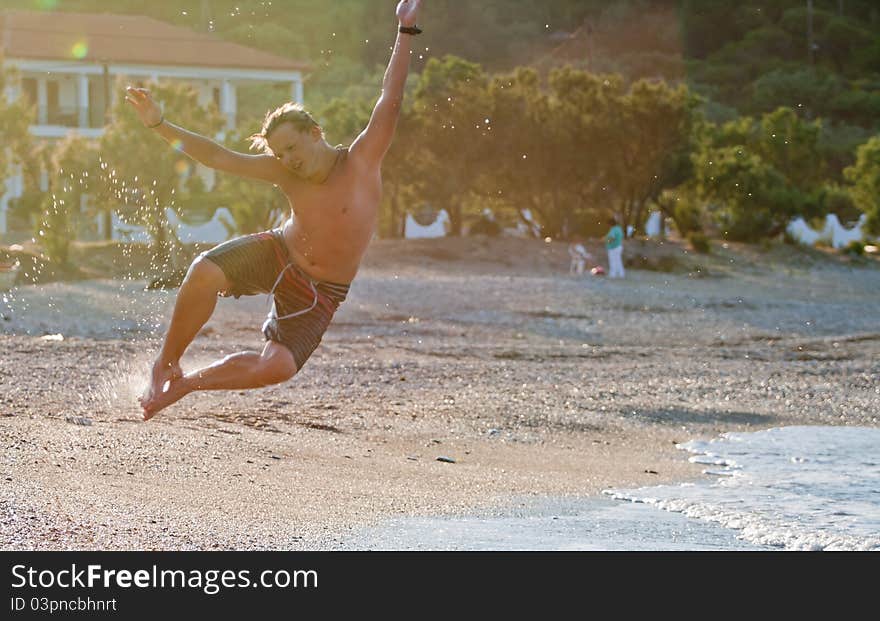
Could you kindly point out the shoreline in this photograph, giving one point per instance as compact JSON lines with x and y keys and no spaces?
{"x":552,"y":524}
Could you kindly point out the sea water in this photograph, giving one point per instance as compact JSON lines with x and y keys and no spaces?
{"x":793,"y":488}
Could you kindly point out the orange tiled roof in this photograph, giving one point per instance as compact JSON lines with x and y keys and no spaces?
{"x":133,"y":39}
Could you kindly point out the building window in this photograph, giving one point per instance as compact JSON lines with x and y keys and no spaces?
{"x":66,"y":115}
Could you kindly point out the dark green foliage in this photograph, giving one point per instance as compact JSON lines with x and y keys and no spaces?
{"x":864,"y":176}
{"x":855,"y":248}
{"x":838,"y":200}
{"x":75,"y":162}
{"x":15,"y":117}
{"x":485,"y":226}
{"x":699,"y":242}
{"x":758,"y":174}
{"x":687,"y":216}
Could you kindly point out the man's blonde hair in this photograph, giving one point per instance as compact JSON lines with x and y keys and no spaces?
{"x":290,"y":112}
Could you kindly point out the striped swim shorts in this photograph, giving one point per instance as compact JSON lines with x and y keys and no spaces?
{"x":302,"y":308}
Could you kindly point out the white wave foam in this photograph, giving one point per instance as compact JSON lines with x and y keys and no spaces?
{"x":796,"y":488}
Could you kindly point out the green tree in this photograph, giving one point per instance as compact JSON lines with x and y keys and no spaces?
{"x":587,"y":145}
{"x":572,"y":130}
{"x":74,"y":175}
{"x":343,"y":118}
{"x":838,"y":200}
{"x":683,"y":205}
{"x":864,"y":176}
{"x":15,"y":119}
{"x":842,"y":39}
{"x":752,"y":199}
{"x":838,"y":144}
{"x":757,"y":58}
{"x":524,"y":155}
{"x":813,"y":90}
{"x":651,"y":145}
{"x":19,"y":150}
{"x":449,"y":110}
{"x":760,"y":173}
{"x":791,"y":146}
{"x":708,"y":25}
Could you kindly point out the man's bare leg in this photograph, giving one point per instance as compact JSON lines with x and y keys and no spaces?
{"x":194,"y":305}
{"x":239,"y":371}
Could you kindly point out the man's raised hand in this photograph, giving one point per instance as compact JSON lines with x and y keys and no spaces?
{"x":407,"y":12}
{"x":147,"y":109}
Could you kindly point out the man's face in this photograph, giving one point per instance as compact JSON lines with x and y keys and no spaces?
{"x":296,"y":150}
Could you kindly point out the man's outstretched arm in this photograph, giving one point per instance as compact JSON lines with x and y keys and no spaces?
{"x":374,"y":141}
{"x":203,"y":150}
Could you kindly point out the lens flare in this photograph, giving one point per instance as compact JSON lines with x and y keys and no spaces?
{"x":181,"y":167}
{"x":80,"y":50}
{"x":177,"y":145}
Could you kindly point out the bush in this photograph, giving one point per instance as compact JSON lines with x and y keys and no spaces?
{"x":751,"y":198}
{"x":655,"y":264}
{"x":864,"y":176}
{"x":688,"y":217}
{"x":838,"y":200}
{"x":855,"y":248}
{"x":699,"y":242}
{"x":485,"y":226}
{"x":53,"y":229}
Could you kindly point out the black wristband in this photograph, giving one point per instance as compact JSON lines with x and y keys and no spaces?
{"x":162,"y":120}
{"x":410,"y":30}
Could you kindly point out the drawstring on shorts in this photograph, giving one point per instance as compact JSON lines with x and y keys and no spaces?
{"x":273,"y":313}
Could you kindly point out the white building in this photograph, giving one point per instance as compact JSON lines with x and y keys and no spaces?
{"x":69,"y":62}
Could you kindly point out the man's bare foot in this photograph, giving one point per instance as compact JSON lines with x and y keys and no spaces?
{"x":161,"y":374}
{"x":178,"y":388}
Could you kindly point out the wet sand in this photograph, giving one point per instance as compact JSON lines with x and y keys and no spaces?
{"x":536,"y":384}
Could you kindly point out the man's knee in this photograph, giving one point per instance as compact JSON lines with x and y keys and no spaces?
{"x":205,"y":273}
{"x":277,"y":364}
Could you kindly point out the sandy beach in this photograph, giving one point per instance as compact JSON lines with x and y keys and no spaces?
{"x":484,"y":352}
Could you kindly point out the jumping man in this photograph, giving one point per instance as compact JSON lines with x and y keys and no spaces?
{"x":308,"y":263}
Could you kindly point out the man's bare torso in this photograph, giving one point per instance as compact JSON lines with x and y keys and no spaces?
{"x":333,"y":221}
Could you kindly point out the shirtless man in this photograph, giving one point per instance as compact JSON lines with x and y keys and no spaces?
{"x":308,"y":263}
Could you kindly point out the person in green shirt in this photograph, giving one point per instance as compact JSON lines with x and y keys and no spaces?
{"x":614,"y":246}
